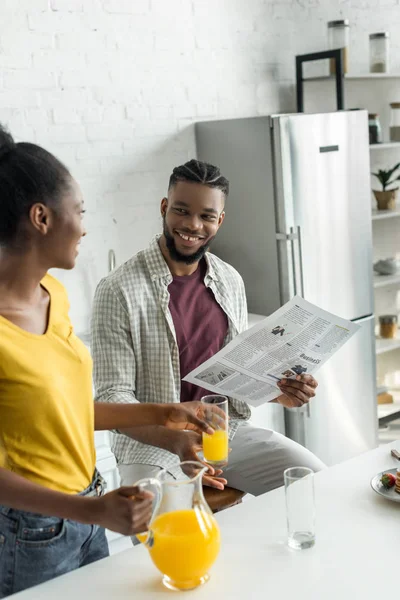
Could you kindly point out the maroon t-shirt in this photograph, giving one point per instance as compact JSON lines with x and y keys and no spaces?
{"x":200,"y":325}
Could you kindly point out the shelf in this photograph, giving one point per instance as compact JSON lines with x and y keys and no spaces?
{"x":385,"y":280}
{"x":386,"y":436}
{"x":384,"y":410}
{"x":374,"y":76}
{"x":384,"y":146}
{"x":379,"y":215}
{"x":388,"y":413}
{"x":355,"y":77}
{"x":381,"y":389}
{"x":383,"y":346}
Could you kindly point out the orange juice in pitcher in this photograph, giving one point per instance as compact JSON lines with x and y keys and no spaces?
{"x":185,"y":545}
{"x":183,"y":538}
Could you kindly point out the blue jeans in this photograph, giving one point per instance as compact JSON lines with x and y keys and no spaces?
{"x":35,"y":548}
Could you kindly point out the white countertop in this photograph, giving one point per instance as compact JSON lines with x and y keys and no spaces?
{"x":355,"y":555}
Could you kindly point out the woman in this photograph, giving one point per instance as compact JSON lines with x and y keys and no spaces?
{"x":52,"y":512}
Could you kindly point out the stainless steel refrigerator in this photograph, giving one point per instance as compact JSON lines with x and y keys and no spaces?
{"x":298,"y":220}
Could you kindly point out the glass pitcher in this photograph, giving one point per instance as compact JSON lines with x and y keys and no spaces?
{"x":183,"y":538}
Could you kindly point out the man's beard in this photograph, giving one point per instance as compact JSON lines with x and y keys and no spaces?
{"x":188,"y":259}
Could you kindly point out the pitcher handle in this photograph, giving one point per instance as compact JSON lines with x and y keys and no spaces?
{"x":153,"y":485}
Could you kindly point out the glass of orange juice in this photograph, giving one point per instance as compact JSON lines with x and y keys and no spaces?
{"x":215,"y":446}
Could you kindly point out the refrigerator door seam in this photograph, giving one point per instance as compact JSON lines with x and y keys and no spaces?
{"x":363,"y":318}
{"x":300,"y":260}
{"x":286,"y":236}
{"x":292,"y":240}
{"x":295,"y":235}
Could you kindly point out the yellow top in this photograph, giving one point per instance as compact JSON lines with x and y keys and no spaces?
{"x":46,"y":401}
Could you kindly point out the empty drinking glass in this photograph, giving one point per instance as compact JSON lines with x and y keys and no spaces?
{"x":300,"y":507}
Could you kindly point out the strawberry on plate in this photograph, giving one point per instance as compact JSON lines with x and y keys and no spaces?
{"x":388,"y":480}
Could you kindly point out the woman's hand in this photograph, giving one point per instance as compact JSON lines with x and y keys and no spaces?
{"x":192,"y":415}
{"x":127,"y":510}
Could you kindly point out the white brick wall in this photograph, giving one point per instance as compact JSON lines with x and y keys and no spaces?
{"x":113,"y":86}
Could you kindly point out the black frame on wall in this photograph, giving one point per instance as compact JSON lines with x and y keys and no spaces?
{"x":337,"y":55}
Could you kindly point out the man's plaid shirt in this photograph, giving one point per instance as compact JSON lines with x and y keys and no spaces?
{"x":136,"y":357}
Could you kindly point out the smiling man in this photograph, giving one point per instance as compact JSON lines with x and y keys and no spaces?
{"x":163,"y":313}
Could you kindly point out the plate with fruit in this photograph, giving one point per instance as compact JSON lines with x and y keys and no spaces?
{"x":385,"y":484}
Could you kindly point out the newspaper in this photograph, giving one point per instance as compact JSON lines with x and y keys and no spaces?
{"x":298,"y":338}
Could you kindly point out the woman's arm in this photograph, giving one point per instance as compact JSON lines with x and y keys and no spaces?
{"x":22,"y":494}
{"x":126,"y":510}
{"x":188,"y":415}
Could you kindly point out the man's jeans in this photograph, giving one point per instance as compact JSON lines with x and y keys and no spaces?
{"x":35,"y":548}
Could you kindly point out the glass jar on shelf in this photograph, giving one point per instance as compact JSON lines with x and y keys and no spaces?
{"x":395,"y":122}
{"x":388,"y":326}
{"x":379,"y":52}
{"x":375,"y":130}
{"x":338,"y":37}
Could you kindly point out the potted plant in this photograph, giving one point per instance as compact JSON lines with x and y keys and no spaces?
{"x":386,"y":199}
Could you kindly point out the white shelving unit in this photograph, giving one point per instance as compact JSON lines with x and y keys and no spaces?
{"x":373,"y":92}
{"x":358,"y":77}
{"x":379,"y":215}
{"x":383,"y":346}
{"x":389,"y":420}
{"x":385,"y":241}
{"x":386,"y":410}
{"x":373,"y":76}
{"x":385,"y":146}
{"x":381,"y":281}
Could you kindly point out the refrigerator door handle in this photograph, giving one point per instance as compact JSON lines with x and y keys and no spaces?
{"x":290,"y":286}
{"x":300,"y":261}
{"x":308,"y":410}
{"x":295,"y":235}
{"x":292,"y":240}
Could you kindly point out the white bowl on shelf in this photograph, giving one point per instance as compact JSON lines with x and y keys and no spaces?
{"x":388,"y":266}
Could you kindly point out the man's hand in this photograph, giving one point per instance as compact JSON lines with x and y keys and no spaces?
{"x":297,"y":392}
{"x":192,"y":415}
{"x":126,"y":510}
{"x":186,"y":445}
